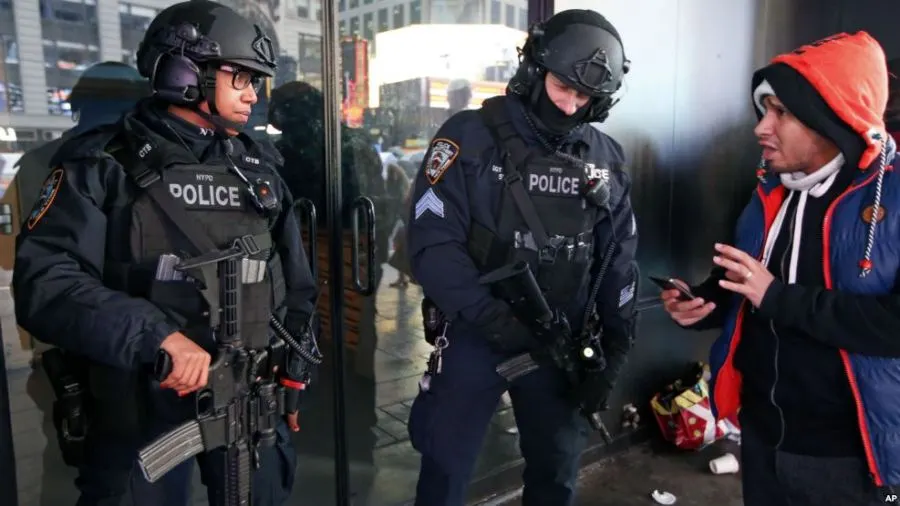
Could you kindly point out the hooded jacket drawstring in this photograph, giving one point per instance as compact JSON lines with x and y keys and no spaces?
{"x":866,"y":264}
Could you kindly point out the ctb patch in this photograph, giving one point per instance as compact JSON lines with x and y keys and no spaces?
{"x":48,"y":194}
{"x":442,"y":154}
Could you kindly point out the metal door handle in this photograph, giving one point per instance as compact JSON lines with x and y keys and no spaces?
{"x":365,"y":205}
{"x":308,"y":212}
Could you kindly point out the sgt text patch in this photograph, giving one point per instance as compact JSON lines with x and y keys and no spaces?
{"x":45,"y":199}
{"x":441,"y":155}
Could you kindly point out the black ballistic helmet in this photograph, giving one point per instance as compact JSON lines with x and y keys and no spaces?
{"x":186,"y":43}
{"x":582,"y":49}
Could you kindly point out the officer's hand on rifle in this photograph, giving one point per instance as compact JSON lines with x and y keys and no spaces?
{"x":190,"y":364}
{"x":558,"y":326}
{"x":508,"y":335}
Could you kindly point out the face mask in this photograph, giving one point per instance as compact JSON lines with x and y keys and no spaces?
{"x":556,"y":121}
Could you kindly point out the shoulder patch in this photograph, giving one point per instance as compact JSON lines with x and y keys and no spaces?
{"x":441,"y":155}
{"x":48,"y":194}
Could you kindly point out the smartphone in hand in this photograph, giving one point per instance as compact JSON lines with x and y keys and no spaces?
{"x":669,"y":283}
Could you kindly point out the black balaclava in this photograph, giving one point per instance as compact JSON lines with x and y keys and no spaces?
{"x":551,"y":117}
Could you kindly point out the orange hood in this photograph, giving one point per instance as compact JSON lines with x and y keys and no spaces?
{"x":850,"y":73}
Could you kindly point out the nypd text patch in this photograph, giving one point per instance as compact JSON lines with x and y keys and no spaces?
{"x":429,"y":201}
{"x":441,"y":155}
{"x":48,"y":194}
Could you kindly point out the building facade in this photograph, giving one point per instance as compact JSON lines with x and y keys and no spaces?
{"x":47,"y":44}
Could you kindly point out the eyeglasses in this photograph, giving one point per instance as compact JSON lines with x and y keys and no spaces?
{"x":242,"y":78}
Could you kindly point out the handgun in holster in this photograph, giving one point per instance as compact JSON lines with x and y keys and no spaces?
{"x":68,"y":378}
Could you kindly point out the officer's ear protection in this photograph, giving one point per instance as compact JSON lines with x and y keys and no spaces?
{"x":174,"y":76}
{"x":529,"y":72}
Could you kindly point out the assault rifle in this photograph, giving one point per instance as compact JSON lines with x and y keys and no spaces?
{"x":241,"y":404}
{"x":580,"y":358}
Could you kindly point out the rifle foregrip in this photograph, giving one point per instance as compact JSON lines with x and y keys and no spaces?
{"x":170,"y":449}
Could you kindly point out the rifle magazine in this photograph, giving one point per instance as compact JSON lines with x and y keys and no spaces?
{"x":170,"y":449}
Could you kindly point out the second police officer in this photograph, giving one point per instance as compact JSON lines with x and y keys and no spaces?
{"x":90,"y":277}
{"x":526,"y":178}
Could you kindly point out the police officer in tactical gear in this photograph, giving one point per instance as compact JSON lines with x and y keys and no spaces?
{"x":96,"y":262}
{"x":525,"y":179}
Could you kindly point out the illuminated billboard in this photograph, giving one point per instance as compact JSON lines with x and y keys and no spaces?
{"x":477,"y":53}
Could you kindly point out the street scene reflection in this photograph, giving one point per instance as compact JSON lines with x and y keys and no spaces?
{"x":405,"y":65}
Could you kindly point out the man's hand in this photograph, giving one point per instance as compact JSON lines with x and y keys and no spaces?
{"x":292,"y":421}
{"x":685,"y":312}
{"x":745,"y":274}
{"x":190,"y":364}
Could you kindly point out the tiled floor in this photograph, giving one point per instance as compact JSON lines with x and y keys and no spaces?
{"x":380,"y":386}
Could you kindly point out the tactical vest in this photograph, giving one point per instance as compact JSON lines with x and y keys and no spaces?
{"x":219,"y":202}
{"x":560,"y":251}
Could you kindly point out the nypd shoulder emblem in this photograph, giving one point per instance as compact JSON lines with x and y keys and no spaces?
{"x":48,"y":194}
{"x":441,"y":155}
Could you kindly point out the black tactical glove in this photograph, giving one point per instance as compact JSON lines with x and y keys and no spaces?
{"x":300,"y":369}
{"x":507,"y":334}
{"x":597,"y":386}
{"x":555,"y":334}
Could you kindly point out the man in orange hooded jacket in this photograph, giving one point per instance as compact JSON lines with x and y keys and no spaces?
{"x":807,"y":297}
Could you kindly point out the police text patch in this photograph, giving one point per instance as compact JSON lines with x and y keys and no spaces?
{"x":441,"y":155}
{"x":197,"y":190}
{"x":553,"y":182}
{"x":48,"y":194}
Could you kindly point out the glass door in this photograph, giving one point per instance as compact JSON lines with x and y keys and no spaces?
{"x":362,"y":86}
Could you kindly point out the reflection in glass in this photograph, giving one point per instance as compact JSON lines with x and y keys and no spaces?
{"x":133,"y":20}
{"x":405,"y":66}
{"x":415,"y":12}
{"x":10,"y":85}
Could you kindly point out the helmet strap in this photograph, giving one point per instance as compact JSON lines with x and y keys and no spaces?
{"x":208,"y":89}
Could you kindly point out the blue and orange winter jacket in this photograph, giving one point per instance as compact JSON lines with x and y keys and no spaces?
{"x":861,"y":254}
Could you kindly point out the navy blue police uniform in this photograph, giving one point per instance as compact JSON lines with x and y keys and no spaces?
{"x":521,"y":186}
{"x":82,"y":281}
{"x":96,"y":261}
{"x":461,"y":189}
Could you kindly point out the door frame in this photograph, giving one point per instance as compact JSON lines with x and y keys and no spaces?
{"x":8,"y":485}
{"x":538,"y":10}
